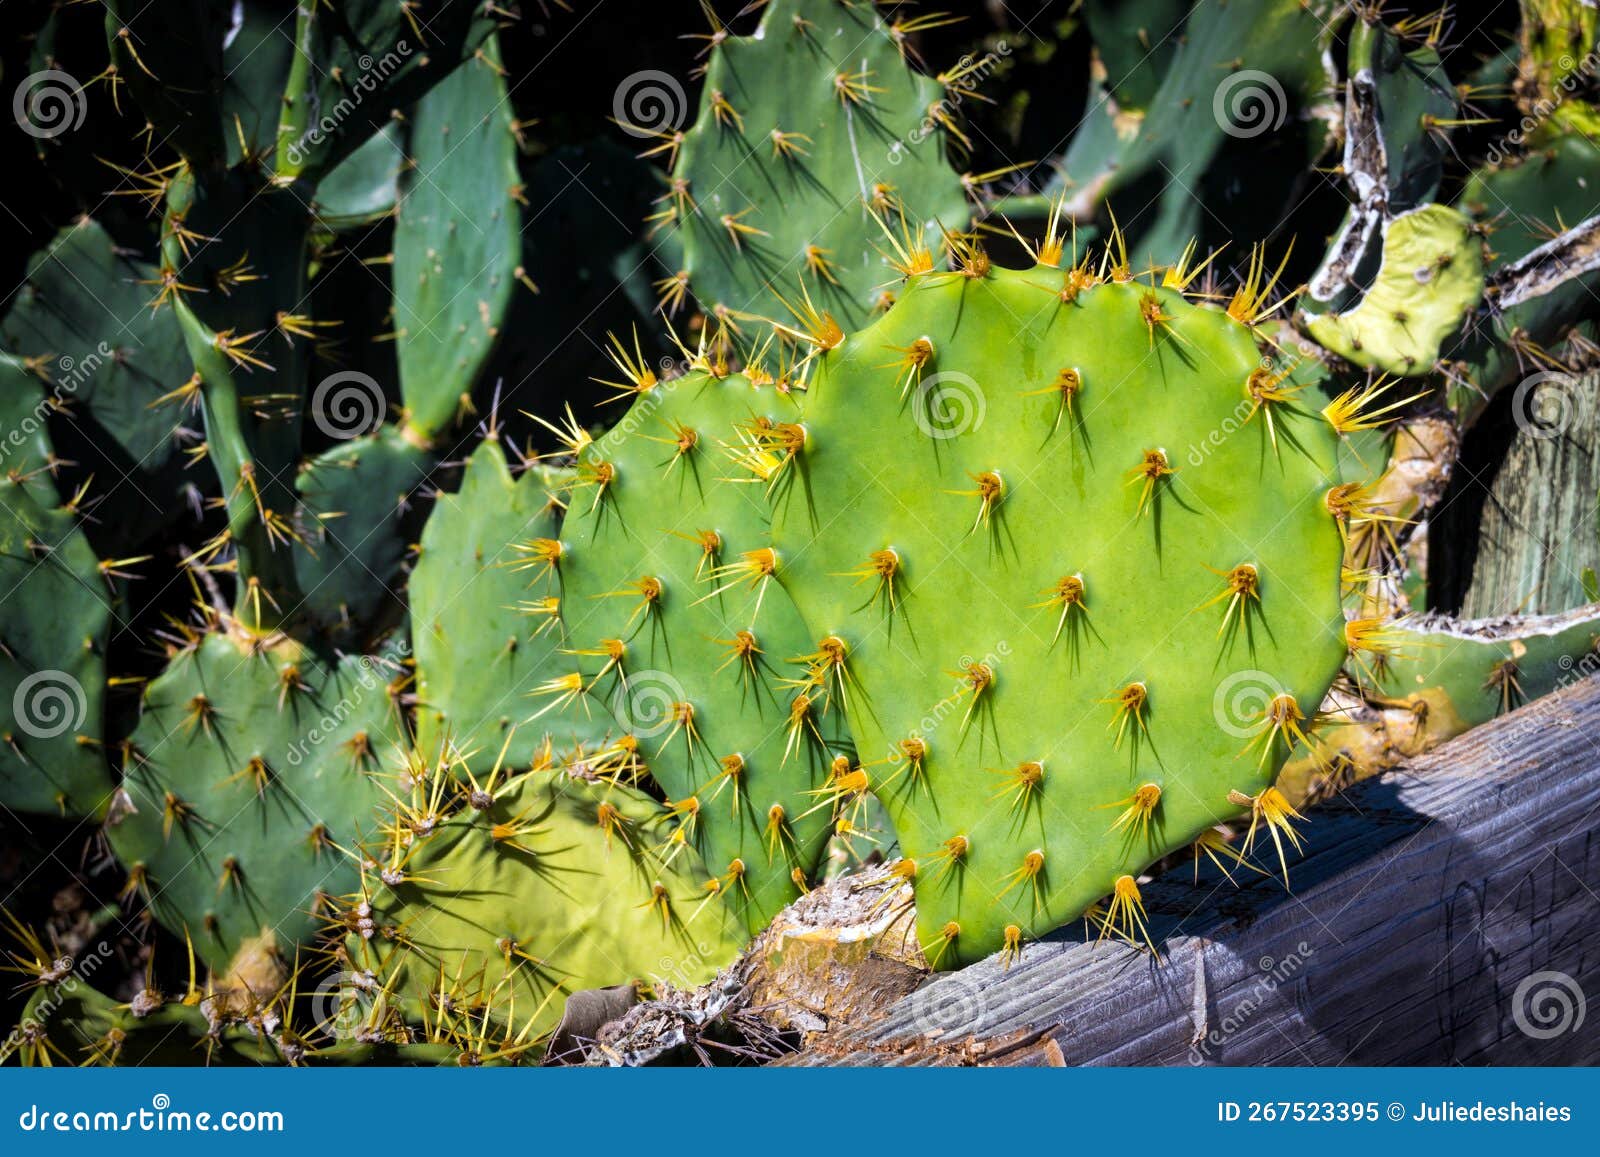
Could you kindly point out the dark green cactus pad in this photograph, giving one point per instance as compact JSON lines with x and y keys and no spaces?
{"x":170,"y":54}
{"x":762,"y":215}
{"x":71,"y":1023}
{"x":83,"y":317}
{"x":364,"y":187}
{"x":362,"y":61}
{"x":358,"y":500}
{"x":252,"y":777}
{"x":458,"y":241}
{"x":54,"y":625}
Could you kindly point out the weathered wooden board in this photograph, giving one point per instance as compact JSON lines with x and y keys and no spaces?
{"x":1541,"y":523}
{"x":1445,"y":913}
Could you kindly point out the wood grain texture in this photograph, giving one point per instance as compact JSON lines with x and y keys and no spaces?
{"x":1541,"y":523}
{"x":1425,"y":899}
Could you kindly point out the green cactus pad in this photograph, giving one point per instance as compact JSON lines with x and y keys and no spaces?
{"x":363,"y":188}
{"x":458,"y":241}
{"x":1056,"y":639}
{"x":481,"y":649}
{"x":249,"y":773}
{"x":73,"y":1024}
{"x":359,"y":63}
{"x":1430,"y":279}
{"x":701,"y":682}
{"x":549,"y":888}
{"x":832,"y":76}
{"x":83,"y":316}
{"x":54,"y":625}
{"x":1442,"y":678}
{"x":357,"y":499}
{"x":170,"y":54}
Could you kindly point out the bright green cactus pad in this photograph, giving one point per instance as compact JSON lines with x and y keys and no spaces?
{"x":992,"y":485}
{"x":549,"y":889}
{"x":482,"y":647}
{"x":249,"y":774}
{"x":1430,"y":279}
{"x":830,"y":77}
{"x":54,"y":623}
{"x":712,"y":651}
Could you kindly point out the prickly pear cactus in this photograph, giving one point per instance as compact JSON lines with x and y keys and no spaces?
{"x":540,"y":885}
{"x":54,"y":626}
{"x":1432,"y":678}
{"x":253,"y":775}
{"x":1430,"y":276}
{"x":813,"y":135}
{"x":485,"y":620}
{"x":458,"y":242}
{"x":1069,"y":582}
{"x":678,"y":630}
{"x":68,"y":1023}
